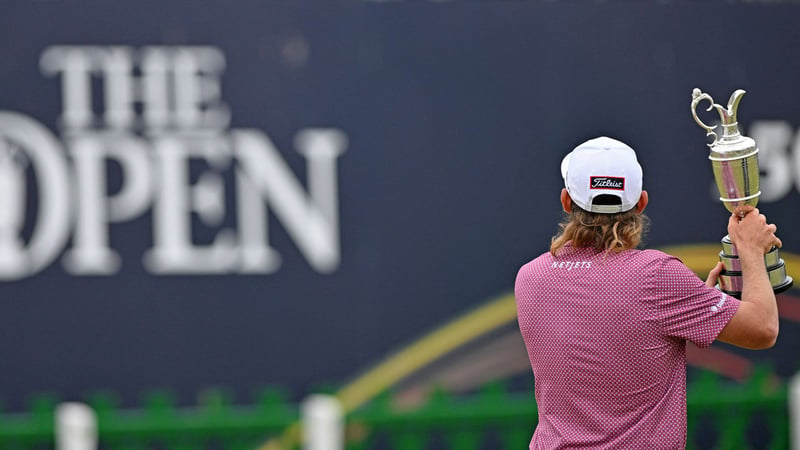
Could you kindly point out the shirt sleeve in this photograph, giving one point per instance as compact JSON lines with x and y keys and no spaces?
{"x":684,"y":307}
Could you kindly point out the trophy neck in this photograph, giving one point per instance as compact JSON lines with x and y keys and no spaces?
{"x":730,"y":132}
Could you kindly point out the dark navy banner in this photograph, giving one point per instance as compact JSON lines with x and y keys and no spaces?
{"x":249,"y":193}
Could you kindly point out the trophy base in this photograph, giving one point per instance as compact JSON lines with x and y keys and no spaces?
{"x":730,"y":279}
{"x":780,"y":287}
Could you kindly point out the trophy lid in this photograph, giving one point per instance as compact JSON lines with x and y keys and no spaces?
{"x":732,"y":144}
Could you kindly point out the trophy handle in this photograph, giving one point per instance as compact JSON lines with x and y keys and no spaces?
{"x":697,"y":97}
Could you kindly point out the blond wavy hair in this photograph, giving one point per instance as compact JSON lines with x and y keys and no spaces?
{"x":604,"y":232}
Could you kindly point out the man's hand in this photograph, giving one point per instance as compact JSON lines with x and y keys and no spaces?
{"x":711,"y":280}
{"x":752,"y":233}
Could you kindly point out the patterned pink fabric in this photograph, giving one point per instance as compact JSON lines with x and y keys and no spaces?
{"x":606,"y":336}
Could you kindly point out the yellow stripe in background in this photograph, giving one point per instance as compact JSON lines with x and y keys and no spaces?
{"x":453,"y":335}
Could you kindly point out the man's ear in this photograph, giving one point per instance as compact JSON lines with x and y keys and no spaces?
{"x":566,"y":201}
{"x":642,"y":203}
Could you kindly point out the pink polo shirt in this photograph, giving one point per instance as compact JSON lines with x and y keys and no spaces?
{"x":606,"y":336}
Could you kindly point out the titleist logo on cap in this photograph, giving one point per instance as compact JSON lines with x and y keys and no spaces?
{"x":617,"y":183}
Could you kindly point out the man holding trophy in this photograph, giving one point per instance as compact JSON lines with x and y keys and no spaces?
{"x":605,"y":324}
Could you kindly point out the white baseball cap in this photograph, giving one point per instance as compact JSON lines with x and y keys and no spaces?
{"x":602,"y":166}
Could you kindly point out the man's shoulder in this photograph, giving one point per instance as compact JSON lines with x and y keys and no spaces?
{"x":658,"y":263}
{"x":653,"y":255}
{"x":646,"y":260}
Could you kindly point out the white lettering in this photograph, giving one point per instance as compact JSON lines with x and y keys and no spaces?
{"x":719,"y":304}
{"x":91,"y":253}
{"x":45,"y":155}
{"x":197,"y":88}
{"x":163,"y":129}
{"x":179,"y":86}
{"x":174,"y":250}
{"x":75,"y":64}
{"x":773,"y":139}
{"x":120,"y":90}
{"x":311,"y":220}
{"x":569,"y":265}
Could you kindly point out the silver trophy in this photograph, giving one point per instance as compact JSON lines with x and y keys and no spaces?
{"x":734,"y":160}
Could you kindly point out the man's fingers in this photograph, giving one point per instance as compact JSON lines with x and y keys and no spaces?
{"x":711,"y":280}
{"x":753,"y":226}
{"x":733,"y":220}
